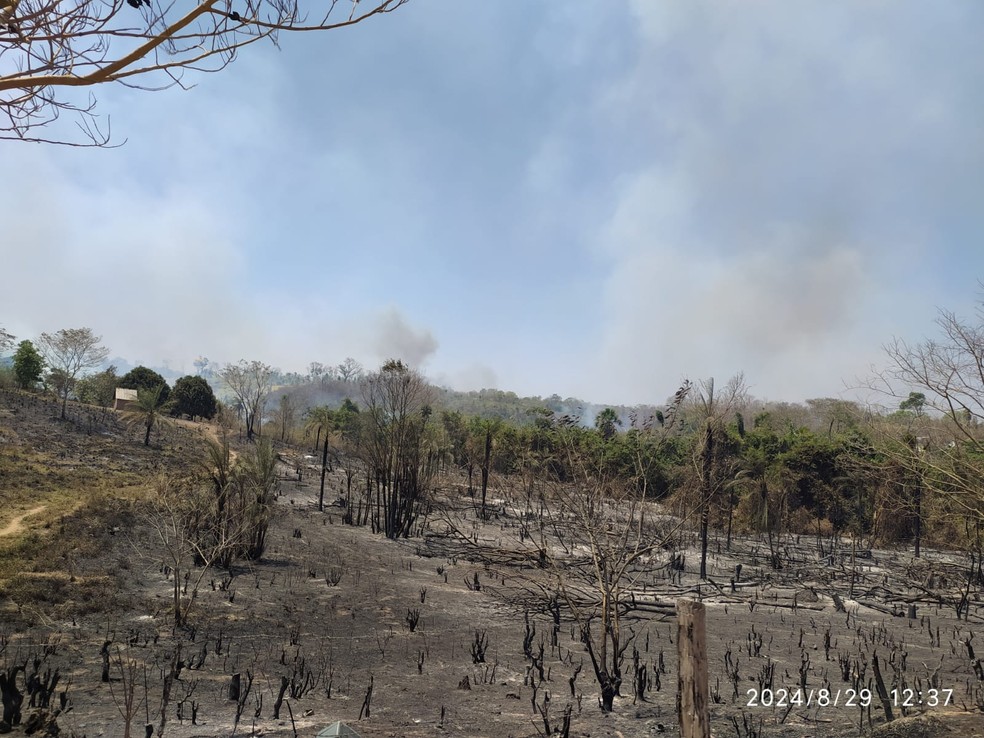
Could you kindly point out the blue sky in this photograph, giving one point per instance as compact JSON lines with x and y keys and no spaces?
{"x":593,"y":199}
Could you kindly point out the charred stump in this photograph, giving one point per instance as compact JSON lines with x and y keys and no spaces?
{"x":11,"y":696}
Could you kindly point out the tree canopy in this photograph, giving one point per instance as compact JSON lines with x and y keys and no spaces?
{"x":28,"y":365}
{"x":68,"y":353}
{"x":99,"y":388}
{"x":193,"y":396}
{"x":142,"y":378}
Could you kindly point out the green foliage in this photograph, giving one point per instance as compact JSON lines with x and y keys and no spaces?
{"x":456,"y":429}
{"x":320,"y":418}
{"x":142,"y":378}
{"x":255,"y":476}
{"x":98,"y":389}
{"x":148,"y":410}
{"x":489,"y":403}
{"x":59,"y":382}
{"x":346,"y":419}
{"x":28,"y":365}
{"x":792,"y":481}
{"x":193,"y":396}
{"x":607,"y":422}
{"x":913,"y":403}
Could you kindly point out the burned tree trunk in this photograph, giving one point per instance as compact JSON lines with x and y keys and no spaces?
{"x":104,"y":652}
{"x":11,"y":696}
{"x":284,"y":683}
{"x":234,"y":687}
{"x":608,"y":679}
{"x":706,"y":487}
{"x":324,"y":466}
{"x":917,"y":495}
{"x":485,"y":468}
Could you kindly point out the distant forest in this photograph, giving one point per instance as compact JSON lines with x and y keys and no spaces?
{"x":909,"y":471}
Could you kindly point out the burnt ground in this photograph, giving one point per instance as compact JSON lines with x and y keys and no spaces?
{"x":329,"y":608}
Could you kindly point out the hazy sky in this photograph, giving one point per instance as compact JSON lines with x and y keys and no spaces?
{"x":583,"y":198}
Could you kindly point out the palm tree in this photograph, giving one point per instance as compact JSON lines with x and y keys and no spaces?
{"x":256,"y":479}
{"x":323,"y":419}
{"x":148,"y":410}
{"x":218,"y":466}
{"x":710,"y":450}
{"x":607,"y":422}
{"x":764,"y":478}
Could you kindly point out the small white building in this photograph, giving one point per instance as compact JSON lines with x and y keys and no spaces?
{"x":123,"y":398}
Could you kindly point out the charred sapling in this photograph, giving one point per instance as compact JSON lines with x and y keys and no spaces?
{"x":573,"y":679}
{"x":746,"y":728}
{"x":242,"y":691}
{"x":104,"y":652}
{"x":40,"y":687}
{"x":125,"y":692}
{"x":183,"y":703}
{"x":333,"y":575}
{"x":529,"y":636}
{"x":478,"y":648}
{"x":640,"y":679}
{"x":367,"y":701}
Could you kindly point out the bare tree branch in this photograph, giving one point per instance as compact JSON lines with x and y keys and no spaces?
{"x":47,"y":46}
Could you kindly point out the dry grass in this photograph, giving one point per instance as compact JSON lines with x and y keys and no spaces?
{"x":83,"y":489}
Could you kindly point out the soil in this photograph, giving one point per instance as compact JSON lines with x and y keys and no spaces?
{"x":329,"y":610}
{"x":16,"y":525}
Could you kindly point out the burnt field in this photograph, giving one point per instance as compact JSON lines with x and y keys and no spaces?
{"x":478,"y":624}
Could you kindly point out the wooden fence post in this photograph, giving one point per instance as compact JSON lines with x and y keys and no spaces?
{"x":692,"y":689}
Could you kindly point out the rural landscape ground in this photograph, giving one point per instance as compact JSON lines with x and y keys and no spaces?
{"x":452,"y":632}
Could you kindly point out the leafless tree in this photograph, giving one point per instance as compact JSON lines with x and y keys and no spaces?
{"x":317,"y":371}
{"x":183,"y":521}
{"x":394,"y":444}
{"x":6,"y":340}
{"x":71,"y":351}
{"x":125,"y":695}
{"x":251,"y":383}
{"x":285,"y":416}
{"x":349,"y":370}
{"x":607,"y":515}
{"x":946,"y":375}
{"x":48,"y":47}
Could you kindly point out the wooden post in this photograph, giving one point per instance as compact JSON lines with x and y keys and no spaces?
{"x":692,"y":690}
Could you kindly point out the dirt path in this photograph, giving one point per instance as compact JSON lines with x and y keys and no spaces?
{"x":206,"y":429}
{"x":17,"y":524}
